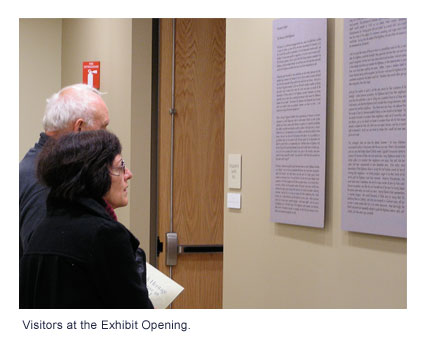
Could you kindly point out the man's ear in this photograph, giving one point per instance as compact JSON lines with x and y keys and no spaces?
{"x":78,"y":125}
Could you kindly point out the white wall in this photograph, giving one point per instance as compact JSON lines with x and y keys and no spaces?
{"x":269,"y":265}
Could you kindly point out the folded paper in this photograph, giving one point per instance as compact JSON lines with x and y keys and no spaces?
{"x":162,"y":290}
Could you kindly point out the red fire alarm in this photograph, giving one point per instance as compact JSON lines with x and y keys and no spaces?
{"x":91,"y":73}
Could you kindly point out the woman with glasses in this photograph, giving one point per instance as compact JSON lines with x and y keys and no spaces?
{"x":80,"y":256}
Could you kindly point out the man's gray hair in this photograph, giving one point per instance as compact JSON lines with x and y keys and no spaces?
{"x":68,"y":105}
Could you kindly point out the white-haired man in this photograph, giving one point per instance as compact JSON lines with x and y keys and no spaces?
{"x":77,"y":107}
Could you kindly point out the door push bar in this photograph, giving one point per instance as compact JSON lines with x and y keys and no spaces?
{"x":173,"y":249}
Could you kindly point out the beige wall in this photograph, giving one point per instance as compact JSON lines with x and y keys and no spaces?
{"x":270,"y":265}
{"x":123,"y":47}
{"x":141,"y":129}
{"x":107,"y":41}
{"x":266,"y":265}
{"x":64,"y":45}
{"x":39,"y":74}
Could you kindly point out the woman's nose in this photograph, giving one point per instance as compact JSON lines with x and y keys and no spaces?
{"x":128,"y":174}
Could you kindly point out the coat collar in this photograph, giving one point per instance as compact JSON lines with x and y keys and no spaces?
{"x":91,"y":205}
{"x":42,"y":140}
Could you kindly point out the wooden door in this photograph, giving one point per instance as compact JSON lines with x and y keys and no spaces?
{"x":198,"y":161}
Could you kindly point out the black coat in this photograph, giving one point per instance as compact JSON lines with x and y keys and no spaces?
{"x":79,"y":257}
{"x":32,"y":195}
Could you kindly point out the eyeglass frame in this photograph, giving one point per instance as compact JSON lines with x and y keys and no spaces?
{"x":121,"y":169}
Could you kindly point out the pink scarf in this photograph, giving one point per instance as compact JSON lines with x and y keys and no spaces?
{"x":111,"y":211}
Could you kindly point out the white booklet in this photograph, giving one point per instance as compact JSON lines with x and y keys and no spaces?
{"x":162,"y":290}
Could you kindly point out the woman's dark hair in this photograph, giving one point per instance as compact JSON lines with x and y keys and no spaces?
{"x":78,"y":164}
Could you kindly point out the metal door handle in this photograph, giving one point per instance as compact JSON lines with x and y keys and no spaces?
{"x":173,"y":249}
{"x":197,"y":249}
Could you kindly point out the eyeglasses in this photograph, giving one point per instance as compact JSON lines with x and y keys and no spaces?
{"x":120,"y":169}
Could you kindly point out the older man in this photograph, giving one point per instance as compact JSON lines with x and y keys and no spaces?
{"x":74,"y":108}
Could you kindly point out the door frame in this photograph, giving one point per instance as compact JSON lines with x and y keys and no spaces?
{"x":153,"y":236}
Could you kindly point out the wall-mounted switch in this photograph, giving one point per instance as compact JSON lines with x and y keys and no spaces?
{"x":234,"y":171}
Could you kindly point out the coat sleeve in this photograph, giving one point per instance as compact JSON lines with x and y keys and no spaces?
{"x":116,"y":275}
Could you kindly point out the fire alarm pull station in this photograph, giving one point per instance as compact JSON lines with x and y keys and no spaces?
{"x":91,"y":74}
